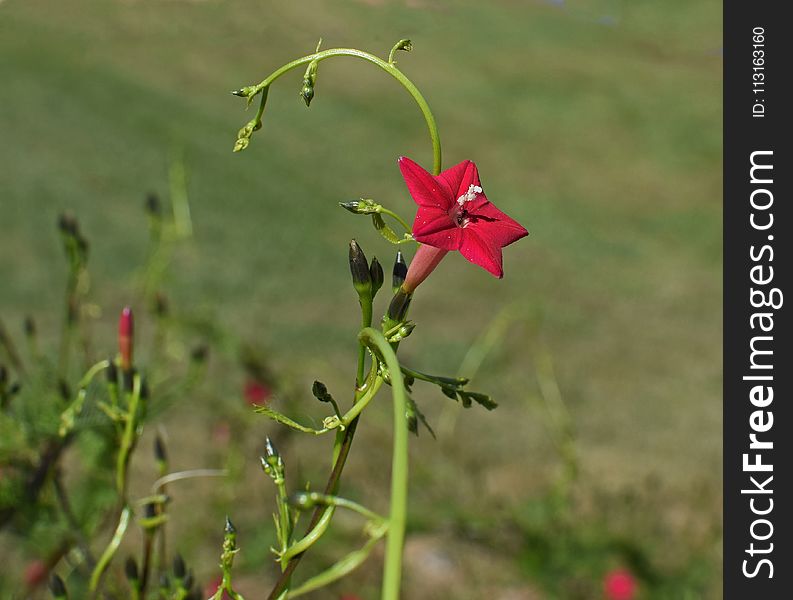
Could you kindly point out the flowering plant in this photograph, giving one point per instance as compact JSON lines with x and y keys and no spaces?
{"x":453,"y":214}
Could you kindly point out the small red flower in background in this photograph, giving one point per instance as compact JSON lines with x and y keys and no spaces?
{"x":35,"y":573}
{"x":455,"y":214}
{"x":212,"y":587}
{"x":256,"y":392}
{"x":619,"y":584}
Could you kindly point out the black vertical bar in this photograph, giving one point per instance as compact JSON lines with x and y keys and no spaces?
{"x":758,"y":269}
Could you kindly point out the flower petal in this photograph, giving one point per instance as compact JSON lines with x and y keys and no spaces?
{"x":423,"y":187}
{"x":480,"y":251}
{"x":432,"y":226}
{"x":493,"y":225}
{"x":459,"y":178}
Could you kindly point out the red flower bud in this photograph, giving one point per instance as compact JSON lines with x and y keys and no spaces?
{"x":35,"y":573}
{"x":619,"y":584}
{"x":256,"y":392}
{"x":126,"y":330}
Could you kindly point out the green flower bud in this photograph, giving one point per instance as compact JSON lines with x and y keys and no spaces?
{"x":376,"y":273}
{"x":359,"y":268}
{"x":302,"y":500}
{"x":364,"y":206}
{"x":404,"y":331}
{"x":399,"y":272}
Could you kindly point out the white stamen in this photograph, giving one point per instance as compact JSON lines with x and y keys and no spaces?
{"x":473,"y":190}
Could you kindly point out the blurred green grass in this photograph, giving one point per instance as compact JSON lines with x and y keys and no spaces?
{"x":595,"y":124}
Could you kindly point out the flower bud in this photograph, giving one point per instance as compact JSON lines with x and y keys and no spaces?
{"x":309,"y":79}
{"x":67,"y":224}
{"x":364,"y":206}
{"x":3,"y":375}
{"x":179,"y":569}
{"x":131,"y":570}
{"x":376,"y":273}
{"x":404,"y":331}
{"x":126,"y":331}
{"x":57,"y":587}
{"x":302,"y":500}
{"x":400,"y":303}
{"x":160,"y":454}
{"x":399,"y":271}
{"x":153,"y":206}
{"x":359,"y":267}
{"x":112,"y":373}
{"x":229,"y":529}
{"x":30,"y":326}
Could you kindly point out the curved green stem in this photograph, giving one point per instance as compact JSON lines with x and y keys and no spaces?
{"x":399,"y":219}
{"x":385,"y":66}
{"x":107,"y":555}
{"x":392,"y":572}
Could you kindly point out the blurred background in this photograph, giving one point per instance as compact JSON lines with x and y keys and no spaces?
{"x":596,"y":124}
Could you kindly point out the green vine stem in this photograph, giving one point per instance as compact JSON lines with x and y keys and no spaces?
{"x":392,"y":571}
{"x":365,"y":390}
{"x":107,"y":555}
{"x":388,"y":67}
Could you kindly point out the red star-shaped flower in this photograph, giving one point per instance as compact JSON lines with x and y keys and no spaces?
{"x":455,"y":214}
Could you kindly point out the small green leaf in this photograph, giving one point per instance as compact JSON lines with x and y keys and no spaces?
{"x":284,"y":420}
{"x":384,"y":230}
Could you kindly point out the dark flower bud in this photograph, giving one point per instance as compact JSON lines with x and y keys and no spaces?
{"x":160,"y":454}
{"x":376,"y":273}
{"x":14,"y":388}
{"x":150,"y":510}
{"x":64,"y":390}
{"x":398,"y":308}
{"x":320,"y":392}
{"x":144,"y":389}
{"x":57,"y":587}
{"x":165,"y":584}
{"x":131,"y":569}
{"x":153,"y":206}
{"x":188,"y":580}
{"x":200,"y":353}
{"x":359,"y":267}
{"x":67,"y":224}
{"x":112,"y":373}
{"x":30,"y":326}
{"x":160,"y":305}
{"x":179,"y":569}
{"x":3,"y":375}
{"x":399,"y":272}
